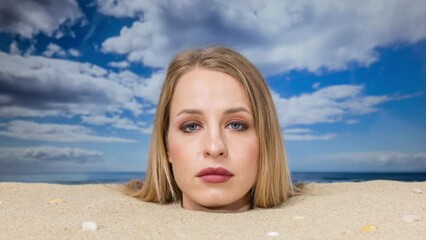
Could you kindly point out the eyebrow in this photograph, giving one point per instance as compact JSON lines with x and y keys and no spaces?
{"x":229,"y":111}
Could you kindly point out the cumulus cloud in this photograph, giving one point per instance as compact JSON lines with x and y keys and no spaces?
{"x":117,"y":122}
{"x":338,"y":103}
{"x":14,"y":49}
{"x":41,"y":158}
{"x":54,"y":50}
{"x":122,"y":64}
{"x":74,"y":52}
{"x":39,"y":86}
{"x":147,"y":89}
{"x":48,"y":153}
{"x":57,"y":51}
{"x":54,"y":132}
{"x":28,"y":18}
{"x":151,"y":87}
{"x":129,"y":8}
{"x":277,"y":35}
{"x":329,"y":104}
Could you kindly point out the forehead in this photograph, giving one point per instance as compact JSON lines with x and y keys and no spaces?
{"x":202,"y":88}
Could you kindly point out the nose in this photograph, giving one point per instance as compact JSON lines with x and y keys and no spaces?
{"x":215,"y":145}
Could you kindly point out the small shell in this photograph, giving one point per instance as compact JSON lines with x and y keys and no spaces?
{"x":56,"y":200}
{"x":273,"y":234}
{"x":1,"y":201}
{"x":369,"y":228}
{"x":417,"y":190}
{"x":298,"y":217}
{"x":411,"y":218}
{"x":89,"y":226}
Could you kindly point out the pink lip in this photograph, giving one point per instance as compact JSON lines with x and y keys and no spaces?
{"x":215,"y":175}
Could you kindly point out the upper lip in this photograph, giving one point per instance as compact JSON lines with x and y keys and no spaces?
{"x":214,"y":171}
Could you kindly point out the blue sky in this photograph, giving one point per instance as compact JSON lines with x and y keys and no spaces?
{"x":79,"y":80}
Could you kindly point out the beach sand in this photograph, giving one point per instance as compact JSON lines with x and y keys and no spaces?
{"x":365,"y":210}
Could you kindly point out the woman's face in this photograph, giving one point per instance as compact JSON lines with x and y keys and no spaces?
{"x":212,"y":142}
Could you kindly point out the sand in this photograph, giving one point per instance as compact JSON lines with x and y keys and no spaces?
{"x":365,"y":210}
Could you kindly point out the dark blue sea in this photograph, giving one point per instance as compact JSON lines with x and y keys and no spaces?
{"x":121,"y":177}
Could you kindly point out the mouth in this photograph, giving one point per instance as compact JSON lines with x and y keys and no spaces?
{"x":215,"y":175}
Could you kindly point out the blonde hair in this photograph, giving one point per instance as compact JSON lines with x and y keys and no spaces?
{"x":273,"y":185}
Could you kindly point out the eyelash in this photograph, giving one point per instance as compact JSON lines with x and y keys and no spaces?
{"x":184,"y":127}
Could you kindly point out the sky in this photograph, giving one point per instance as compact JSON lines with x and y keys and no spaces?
{"x":79,"y":80}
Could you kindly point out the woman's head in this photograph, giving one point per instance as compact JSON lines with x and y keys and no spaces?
{"x":216,"y":142}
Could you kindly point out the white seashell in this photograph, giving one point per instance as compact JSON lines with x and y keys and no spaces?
{"x":273,"y":234}
{"x":89,"y":226}
{"x":411,"y":218}
{"x":417,"y":190}
{"x":1,"y":201}
{"x":56,"y":201}
{"x":298,"y":217}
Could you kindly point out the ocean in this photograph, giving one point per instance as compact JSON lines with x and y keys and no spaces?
{"x":121,"y":177}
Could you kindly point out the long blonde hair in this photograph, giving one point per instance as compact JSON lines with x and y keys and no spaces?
{"x":273,"y":185}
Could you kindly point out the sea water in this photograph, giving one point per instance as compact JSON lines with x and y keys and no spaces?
{"x":121,"y":177}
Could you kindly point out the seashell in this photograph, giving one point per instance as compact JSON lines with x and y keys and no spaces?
{"x":56,"y":200}
{"x":89,"y":226}
{"x":273,"y":234}
{"x":411,"y":218}
{"x":417,"y":190}
{"x":369,"y":228}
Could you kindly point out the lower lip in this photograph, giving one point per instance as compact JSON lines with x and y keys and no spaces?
{"x":215,"y":178}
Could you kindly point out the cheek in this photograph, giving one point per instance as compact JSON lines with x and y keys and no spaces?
{"x":253,"y":150}
{"x":177,"y":149}
{"x":173,"y":150}
{"x":248,"y":151}
{"x":179,"y":155}
{"x":175,"y":153}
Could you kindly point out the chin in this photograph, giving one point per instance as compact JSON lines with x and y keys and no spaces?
{"x":214,"y":201}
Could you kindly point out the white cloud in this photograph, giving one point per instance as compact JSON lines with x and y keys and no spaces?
{"x":122,"y":64}
{"x":47,"y":158}
{"x":316,"y":85}
{"x":147,"y":89}
{"x":9,"y":111}
{"x":297,"y":130}
{"x":14,"y":49}
{"x":150,"y":89}
{"x":352,"y":121}
{"x":117,"y":122}
{"x":54,"y":50}
{"x":31,"y":48}
{"x":119,"y":8}
{"x":55,"y":132}
{"x":308,"y":137}
{"x":74,"y":52}
{"x":39,"y":86}
{"x":328,"y":105}
{"x":304,"y":134}
{"x":277,"y":35}
{"x":28,"y":18}
{"x":49,"y":154}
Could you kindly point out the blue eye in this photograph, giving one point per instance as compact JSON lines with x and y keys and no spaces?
{"x":238,"y":126}
{"x":190,"y":127}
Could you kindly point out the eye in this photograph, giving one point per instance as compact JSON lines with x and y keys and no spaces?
{"x":190,"y":127}
{"x":238,"y":126}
